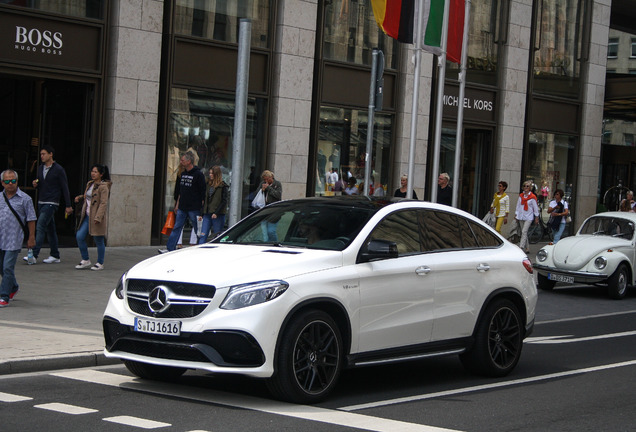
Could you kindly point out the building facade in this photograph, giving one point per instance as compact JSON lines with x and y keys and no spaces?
{"x":134,"y":83}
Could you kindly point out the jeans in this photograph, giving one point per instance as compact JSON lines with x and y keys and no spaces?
{"x":80,"y":236}
{"x":216,"y":225}
{"x":178,"y":226}
{"x":558,"y":233}
{"x":45,"y":228}
{"x":268,"y":230}
{"x":7,"y":270}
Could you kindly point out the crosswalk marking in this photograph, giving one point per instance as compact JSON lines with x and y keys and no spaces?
{"x":136,"y":422}
{"x":8,"y":397}
{"x":65,"y":408}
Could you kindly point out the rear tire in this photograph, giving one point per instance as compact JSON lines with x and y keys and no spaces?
{"x":498,"y":341}
{"x":309,"y":359}
{"x":153,"y":372}
{"x":618,"y":282}
{"x":545,"y":283}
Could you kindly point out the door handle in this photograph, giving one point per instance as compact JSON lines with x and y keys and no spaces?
{"x":483,"y":267}
{"x":423,"y":270}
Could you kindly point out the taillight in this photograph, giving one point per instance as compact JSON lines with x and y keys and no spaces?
{"x":528,"y":265}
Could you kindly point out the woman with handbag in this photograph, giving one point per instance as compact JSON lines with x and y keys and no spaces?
{"x":558,"y":209}
{"x":94,"y":216}
{"x":500,"y":205}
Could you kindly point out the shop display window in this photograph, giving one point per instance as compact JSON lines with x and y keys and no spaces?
{"x":76,"y":8}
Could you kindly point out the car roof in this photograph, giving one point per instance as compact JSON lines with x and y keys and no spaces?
{"x":358,"y":201}
{"x":617,"y":214}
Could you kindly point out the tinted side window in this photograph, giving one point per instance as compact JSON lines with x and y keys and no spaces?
{"x":468,"y":239}
{"x":442,"y":231}
{"x":401,"y":228}
{"x":484,"y":237}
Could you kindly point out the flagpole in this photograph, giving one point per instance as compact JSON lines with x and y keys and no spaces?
{"x":460,"y":106}
{"x":439,"y":103}
{"x":416,"y":95}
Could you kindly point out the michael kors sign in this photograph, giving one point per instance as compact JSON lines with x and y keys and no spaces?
{"x":50,"y":43}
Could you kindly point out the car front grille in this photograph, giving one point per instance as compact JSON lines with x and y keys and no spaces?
{"x":182,"y":300}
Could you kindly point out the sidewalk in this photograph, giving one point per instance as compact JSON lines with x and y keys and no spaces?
{"x":55,"y":319}
{"x":54,"y":322}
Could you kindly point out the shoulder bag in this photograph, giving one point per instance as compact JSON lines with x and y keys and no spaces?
{"x":22,"y":224}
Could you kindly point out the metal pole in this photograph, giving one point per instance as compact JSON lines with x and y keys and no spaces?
{"x":441,"y":78}
{"x":240,"y":118}
{"x":460,"y":107}
{"x":416,"y":95}
{"x":370,"y":120}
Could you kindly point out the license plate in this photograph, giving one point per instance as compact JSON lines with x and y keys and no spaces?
{"x":560,"y":278}
{"x":170,"y":328}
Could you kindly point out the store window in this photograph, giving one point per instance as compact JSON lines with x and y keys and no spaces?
{"x":550,"y":163}
{"x":559,"y":29}
{"x":483,"y":38}
{"x":342,"y":143}
{"x":76,"y":8}
{"x":219,"y":20}
{"x":351,"y":33}
{"x":203,"y":124}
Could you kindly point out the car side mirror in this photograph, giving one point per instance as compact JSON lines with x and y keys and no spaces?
{"x":378,"y":249}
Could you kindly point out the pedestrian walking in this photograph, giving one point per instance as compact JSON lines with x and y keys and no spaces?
{"x":500,"y":205}
{"x":94,"y":217}
{"x":215,"y":205}
{"x":18,"y":218}
{"x":444,"y":190}
{"x":527,"y":209}
{"x":51,"y":184}
{"x":189,"y":198}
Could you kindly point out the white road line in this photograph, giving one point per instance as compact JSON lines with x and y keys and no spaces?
{"x":560,"y":340}
{"x":65,"y":408}
{"x":486,"y":386}
{"x":304,"y":412}
{"x":605,"y":315}
{"x":8,"y":397}
{"x":137,"y":422}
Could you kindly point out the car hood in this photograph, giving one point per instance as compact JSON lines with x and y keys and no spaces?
{"x":229,"y":264}
{"x":572,"y":253}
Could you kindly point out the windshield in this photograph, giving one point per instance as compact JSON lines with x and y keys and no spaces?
{"x":306,"y":224}
{"x":608,"y":226}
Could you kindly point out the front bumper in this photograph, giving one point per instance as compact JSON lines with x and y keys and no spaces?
{"x":579,"y":276}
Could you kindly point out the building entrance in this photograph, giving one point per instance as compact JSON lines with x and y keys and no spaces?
{"x":37,"y":112}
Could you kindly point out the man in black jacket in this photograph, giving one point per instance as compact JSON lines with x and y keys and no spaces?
{"x":51,"y":185}
{"x":189,"y":194}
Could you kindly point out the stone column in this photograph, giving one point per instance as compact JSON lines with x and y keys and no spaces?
{"x":292,"y":87}
{"x":593,"y":96}
{"x":130,"y":124}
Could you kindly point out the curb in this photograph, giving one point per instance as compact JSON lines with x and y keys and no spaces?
{"x":62,"y":361}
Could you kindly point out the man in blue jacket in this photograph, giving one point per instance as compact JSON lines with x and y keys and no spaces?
{"x":51,"y":185}
{"x":190,"y":194}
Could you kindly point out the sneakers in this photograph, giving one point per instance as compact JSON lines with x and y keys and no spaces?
{"x":83,"y":264}
{"x":34,"y":260}
{"x":98,"y":266}
{"x":51,"y":260}
{"x":13,"y":293}
{"x":162,"y":251}
{"x":3,"y":303}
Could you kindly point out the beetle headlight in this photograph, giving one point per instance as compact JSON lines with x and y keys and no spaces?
{"x":542,"y":255}
{"x":119,"y":289}
{"x":251,"y":294}
{"x":600,"y":262}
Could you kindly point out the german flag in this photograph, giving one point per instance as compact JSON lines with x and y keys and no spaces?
{"x":395,"y":18}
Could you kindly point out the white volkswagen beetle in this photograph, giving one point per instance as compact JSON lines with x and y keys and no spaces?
{"x":601,"y":252}
{"x":303,"y":288}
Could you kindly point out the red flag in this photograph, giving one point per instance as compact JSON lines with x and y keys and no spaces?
{"x":455,"y":39}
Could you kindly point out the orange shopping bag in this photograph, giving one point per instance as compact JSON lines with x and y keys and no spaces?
{"x":167,"y":227}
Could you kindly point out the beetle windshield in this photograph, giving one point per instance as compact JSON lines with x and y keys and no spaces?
{"x":303,"y":223}
{"x":608,"y":226}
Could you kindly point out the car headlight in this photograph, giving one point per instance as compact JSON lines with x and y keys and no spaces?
{"x":251,"y":294}
{"x":542,"y":255}
{"x":600,"y":262}
{"x":119,"y":289}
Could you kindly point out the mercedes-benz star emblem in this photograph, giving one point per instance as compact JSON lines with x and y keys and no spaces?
{"x":158,"y":299}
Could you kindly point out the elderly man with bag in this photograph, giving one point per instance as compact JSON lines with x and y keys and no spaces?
{"x":16,"y":213}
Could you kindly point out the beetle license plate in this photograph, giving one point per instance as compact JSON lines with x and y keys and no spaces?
{"x":560,"y":278}
{"x":169,"y":328}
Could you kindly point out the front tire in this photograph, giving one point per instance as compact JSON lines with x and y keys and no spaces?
{"x":618,"y":282}
{"x":153,"y":372}
{"x":545,"y":283}
{"x":309,"y":359}
{"x":498,"y":341}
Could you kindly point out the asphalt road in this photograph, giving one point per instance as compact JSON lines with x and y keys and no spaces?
{"x":577,"y":373}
